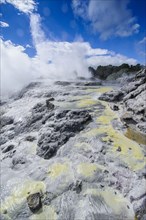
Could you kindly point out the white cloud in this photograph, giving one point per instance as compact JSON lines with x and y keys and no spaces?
{"x":142,"y":41}
{"x":65,"y":60}
{"x":26,"y":6}
{"x":36,"y":31}
{"x":68,"y":58}
{"x":108,"y":18}
{"x":16,"y":67}
{"x":3,"y":24}
{"x":80,"y":8}
{"x":141,"y":49}
{"x":116,"y":59}
{"x":54,"y":59}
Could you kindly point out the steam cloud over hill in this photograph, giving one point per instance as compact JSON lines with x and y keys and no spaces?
{"x":54,"y":59}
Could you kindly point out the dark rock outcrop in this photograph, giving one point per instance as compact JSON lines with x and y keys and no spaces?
{"x":65,"y":124}
{"x":103,"y":72}
{"x":112,"y":96}
{"x":62,"y":83}
{"x":95,"y":83}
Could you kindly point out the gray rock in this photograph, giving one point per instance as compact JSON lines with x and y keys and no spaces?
{"x":127,"y":117}
{"x":115,"y":107}
{"x":62,"y":83}
{"x":50,"y":99}
{"x":76,"y":187}
{"x":143,"y":217}
{"x":140,"y":208}
{"x":30,"y":138}
{"x":89,"y":83}
{"x":65,"y":124}
{"x":142,"y":126}
{"x":8,"y":148}
{"x":49,"y":105}
{"x":137,"y":105}
{"x":18,"y":161}
{"x":6,"y":121}
{"x":112,"y":96}
{"x":132,"y":94}
{"x":34,"y":202}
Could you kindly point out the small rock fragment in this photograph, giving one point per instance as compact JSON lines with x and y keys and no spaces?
{"x":30,"y":138}
{"x":49,"y":105}
{"x":119,"y":149}
{"x":8,"y":148}
{"x":34,"y":202}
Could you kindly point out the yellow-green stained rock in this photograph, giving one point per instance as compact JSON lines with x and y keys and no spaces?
{"x":107,"y":117}
{"x":86,"y":103}
{"x":58,"y":169}
{"x":20,"y":193}
{"x":48,"y":213}
{"x":131,"y":152}
{"x":133,"y":157}
{"x":104,"y":89}
{"x":100,"y":90}
{"x":88,"y":169}
{"x":77,"y":98}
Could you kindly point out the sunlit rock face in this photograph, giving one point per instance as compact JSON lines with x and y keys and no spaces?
{"x":131,"y":103}
{"x":65,"y":156}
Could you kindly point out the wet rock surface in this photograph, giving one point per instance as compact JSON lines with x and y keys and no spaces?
{"x":64,"y":155}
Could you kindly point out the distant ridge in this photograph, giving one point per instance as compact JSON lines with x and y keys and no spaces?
{"x":103,"y":72}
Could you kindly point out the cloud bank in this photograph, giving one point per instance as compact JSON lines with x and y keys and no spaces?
{"x":16,"y":67}
{"x":108,"y":18}
{"x":25,"y":6}
{"x":55,"y":60}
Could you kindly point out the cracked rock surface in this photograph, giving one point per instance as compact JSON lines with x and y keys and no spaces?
{"x":65,"y":156}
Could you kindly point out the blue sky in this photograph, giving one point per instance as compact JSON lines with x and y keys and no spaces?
{"x":62,"y":38}
{"x":60,"y":22}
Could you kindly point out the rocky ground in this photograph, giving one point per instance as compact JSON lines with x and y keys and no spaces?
{"x":66,"y":155}
{"x":130,"y":102}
